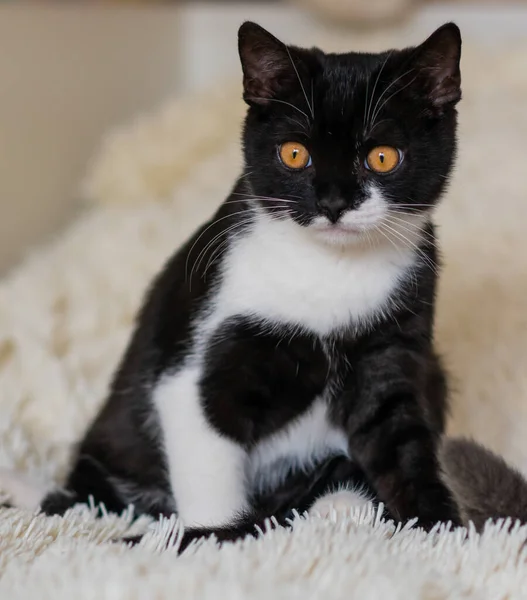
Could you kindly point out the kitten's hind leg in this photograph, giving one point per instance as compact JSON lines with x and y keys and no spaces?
{"x":87,"y":482}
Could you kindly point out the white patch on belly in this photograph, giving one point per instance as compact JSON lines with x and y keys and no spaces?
{"x":298,"y":446}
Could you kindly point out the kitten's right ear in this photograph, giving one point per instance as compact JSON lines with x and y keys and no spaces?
{"x":266,"y":64}
{"x":437,"y":61}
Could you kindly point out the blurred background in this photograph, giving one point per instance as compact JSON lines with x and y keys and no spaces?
{"x":70,"y":70}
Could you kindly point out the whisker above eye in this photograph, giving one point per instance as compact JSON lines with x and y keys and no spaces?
{"x":368,"y":120}
{"x":377,"y":124}
{"x":303,"y":125}
{"x":278,"y":200}
{"x":366,"y":105}
{"x":286,"y":103}
{"x":248,"y":196}
{"x":300,"y":81}
{"x":378,"y":109}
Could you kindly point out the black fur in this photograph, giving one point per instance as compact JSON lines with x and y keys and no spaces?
{"x":391,"y":397}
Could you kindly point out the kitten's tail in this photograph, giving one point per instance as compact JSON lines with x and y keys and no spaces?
{"x":483,"y":484}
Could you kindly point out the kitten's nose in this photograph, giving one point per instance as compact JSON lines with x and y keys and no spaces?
{"x":332,"y":207}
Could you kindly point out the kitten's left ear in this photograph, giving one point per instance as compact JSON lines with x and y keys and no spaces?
{"x":438,"y":63}
{"x":269,"y":68}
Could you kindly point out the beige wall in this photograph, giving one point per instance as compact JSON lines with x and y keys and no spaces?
{"x":66,"y":75}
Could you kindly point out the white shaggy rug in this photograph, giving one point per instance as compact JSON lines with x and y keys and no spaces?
{"x":66,"y":313}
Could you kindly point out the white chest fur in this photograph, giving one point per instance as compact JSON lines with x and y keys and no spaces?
{"x":277,"y":272}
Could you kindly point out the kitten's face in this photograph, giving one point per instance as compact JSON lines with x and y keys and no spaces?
{"x":350,"y":146}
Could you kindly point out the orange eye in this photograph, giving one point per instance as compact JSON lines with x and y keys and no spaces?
{"x":294,"y":155}
{"x":383,"y":159}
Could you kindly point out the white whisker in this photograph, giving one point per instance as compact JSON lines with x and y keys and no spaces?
{"x":412,"y":228}
{"x":241,"y":200}
{"x":412,"y":245}
{"x":368,"y":120}
{"x":300,"y":81}
{"x":245,"y":175}
{"x":304,"y":127}
{"x":203,"y":233}
{"x":386,"y":90}
{"x":366,"y":104}
{"x":215,"y":254}
{"x":204,"y":250}
{"x":377,"y":112}
{"x":266,"y":197}
{"x":286,"y":103}
{"x":396,"y":206}
{"x":312,"y":99}
{"x":210,"y":243}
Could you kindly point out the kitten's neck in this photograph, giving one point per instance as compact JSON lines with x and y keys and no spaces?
{"x":278,"y":273}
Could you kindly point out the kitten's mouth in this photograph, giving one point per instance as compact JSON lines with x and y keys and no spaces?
{"x":342,"y":232}
{"x":346,"y":231}
{"x":340,"y":228}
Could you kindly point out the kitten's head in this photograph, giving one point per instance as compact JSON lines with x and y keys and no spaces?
{"x":350,"y":145}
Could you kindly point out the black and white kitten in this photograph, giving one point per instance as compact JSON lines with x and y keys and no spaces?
{"x":295,"y":329}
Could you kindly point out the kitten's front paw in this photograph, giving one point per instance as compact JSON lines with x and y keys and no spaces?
{"x":341,"y":502}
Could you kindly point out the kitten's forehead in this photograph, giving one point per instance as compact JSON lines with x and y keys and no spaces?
{"x":344,"y":84}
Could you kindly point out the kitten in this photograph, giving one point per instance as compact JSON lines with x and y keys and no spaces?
{"x":295,"y":329}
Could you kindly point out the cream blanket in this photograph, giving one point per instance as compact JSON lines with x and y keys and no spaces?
{"x":66,"y":313}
